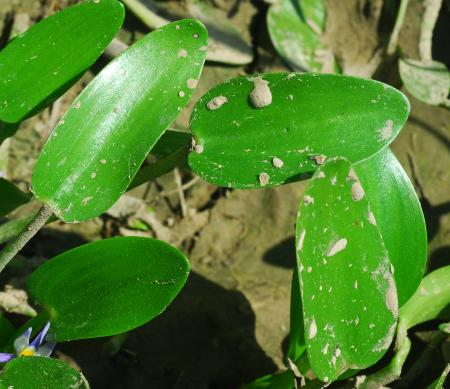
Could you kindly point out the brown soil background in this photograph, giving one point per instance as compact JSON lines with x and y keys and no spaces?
{"x":230,"y":323}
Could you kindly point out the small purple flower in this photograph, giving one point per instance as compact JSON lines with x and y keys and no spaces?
{"x":24,"y":348}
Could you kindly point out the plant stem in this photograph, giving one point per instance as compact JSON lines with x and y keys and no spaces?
{"x":393,"y":370}
{"x":16,"y":244}
{"x":392,"y":46}
{"x":429,"y":19}
{"x":146,"y":13}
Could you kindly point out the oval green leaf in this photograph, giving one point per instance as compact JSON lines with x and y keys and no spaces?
{"x":432,"y":296}
{"x":96,"y":150}
{"x":41,"y":373}
{"x":11,"y":197}
{"x":311,"y":116}
{"x":108,"y":287}
{"x":399,"y":217}
{"x":295,"y":33}
{"x":42,"y":63}
{"x":426,"y":81}
{"x":348,"y":292}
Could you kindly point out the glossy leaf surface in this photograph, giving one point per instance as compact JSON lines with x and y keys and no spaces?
{"x":40,"y":373}
{"x":428,"y":82}
{"x":114,"y":285}
{"x":399,"y":217}
{"x":96,"y":150}
{"x":295,"y":30}
{"x":11,"y":197}
{"x":429,"y":300}
{"x":309,"y":116}
{"x":348,"y":292}
{"x":42,"y":63}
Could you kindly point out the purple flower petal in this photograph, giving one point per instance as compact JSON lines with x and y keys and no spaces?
{"x":46,"y":349}
{"x":5,"y":357}
{"x":22,"y":341}
{"x":40,"y":337}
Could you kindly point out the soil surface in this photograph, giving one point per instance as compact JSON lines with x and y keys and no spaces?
{"x":230,"y":324}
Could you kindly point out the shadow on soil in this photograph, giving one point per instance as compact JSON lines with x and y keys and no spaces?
{"x":204,"y":340}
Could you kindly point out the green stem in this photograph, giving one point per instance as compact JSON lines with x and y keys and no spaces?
{"x":392,"y":46}
{"x":392,"y":371}
{"x":429,"y":19}
{"x":16,"y":244}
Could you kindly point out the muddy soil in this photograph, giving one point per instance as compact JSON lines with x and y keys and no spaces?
{"x":230,"y":323}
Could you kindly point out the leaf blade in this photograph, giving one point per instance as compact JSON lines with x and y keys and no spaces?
{"x":87,"y":164}
{"x":114,"y":285}
{"x":11,"y":197}
{"x":399,"y":216}
{"x":310,"y":115}
{"x":348,"y":292}
{"x":47,"y":59}
{"x":41,"y":373}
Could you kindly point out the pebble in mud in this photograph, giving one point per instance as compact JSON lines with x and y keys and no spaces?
{"x":277,"y":162}
{"x":386,"y":131}
{"x":357,"y":191}
{"x":320,"y":159}
{"x":260,"y":96}
{"x":312,"y":329}
{"x":196,"y":147}
{"x":192,"y":83}
{"x":216,"y":102}
{"x":307,"y":199}
{"x":264,"y":179}
{"x":340,"y":245}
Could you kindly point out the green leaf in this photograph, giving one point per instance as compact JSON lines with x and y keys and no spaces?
{"x":295,"y":33}
{"x":226,"y":42}
{"x":399,"y":217}
{"x":109,"y":286}
{"x":6,"y":329}
{"x":42,"y":63}
{"x":445,"y":327}
{"x":7,"y":130}
{"x":297,"y":345}
{"x":96,"y":150}
{"x":426,"y":81}
{"x":11,"y":228}
{"x":348,"y":292}
{"x":284,"y":380}
{"x":40,"y":373}
{"x":313,"y":12}
{"x":310,"y":116}
{"x":429,"y":300}
{"x":439,"y":383}
{"x":11,"y":197}
{"x":171,"y":151}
